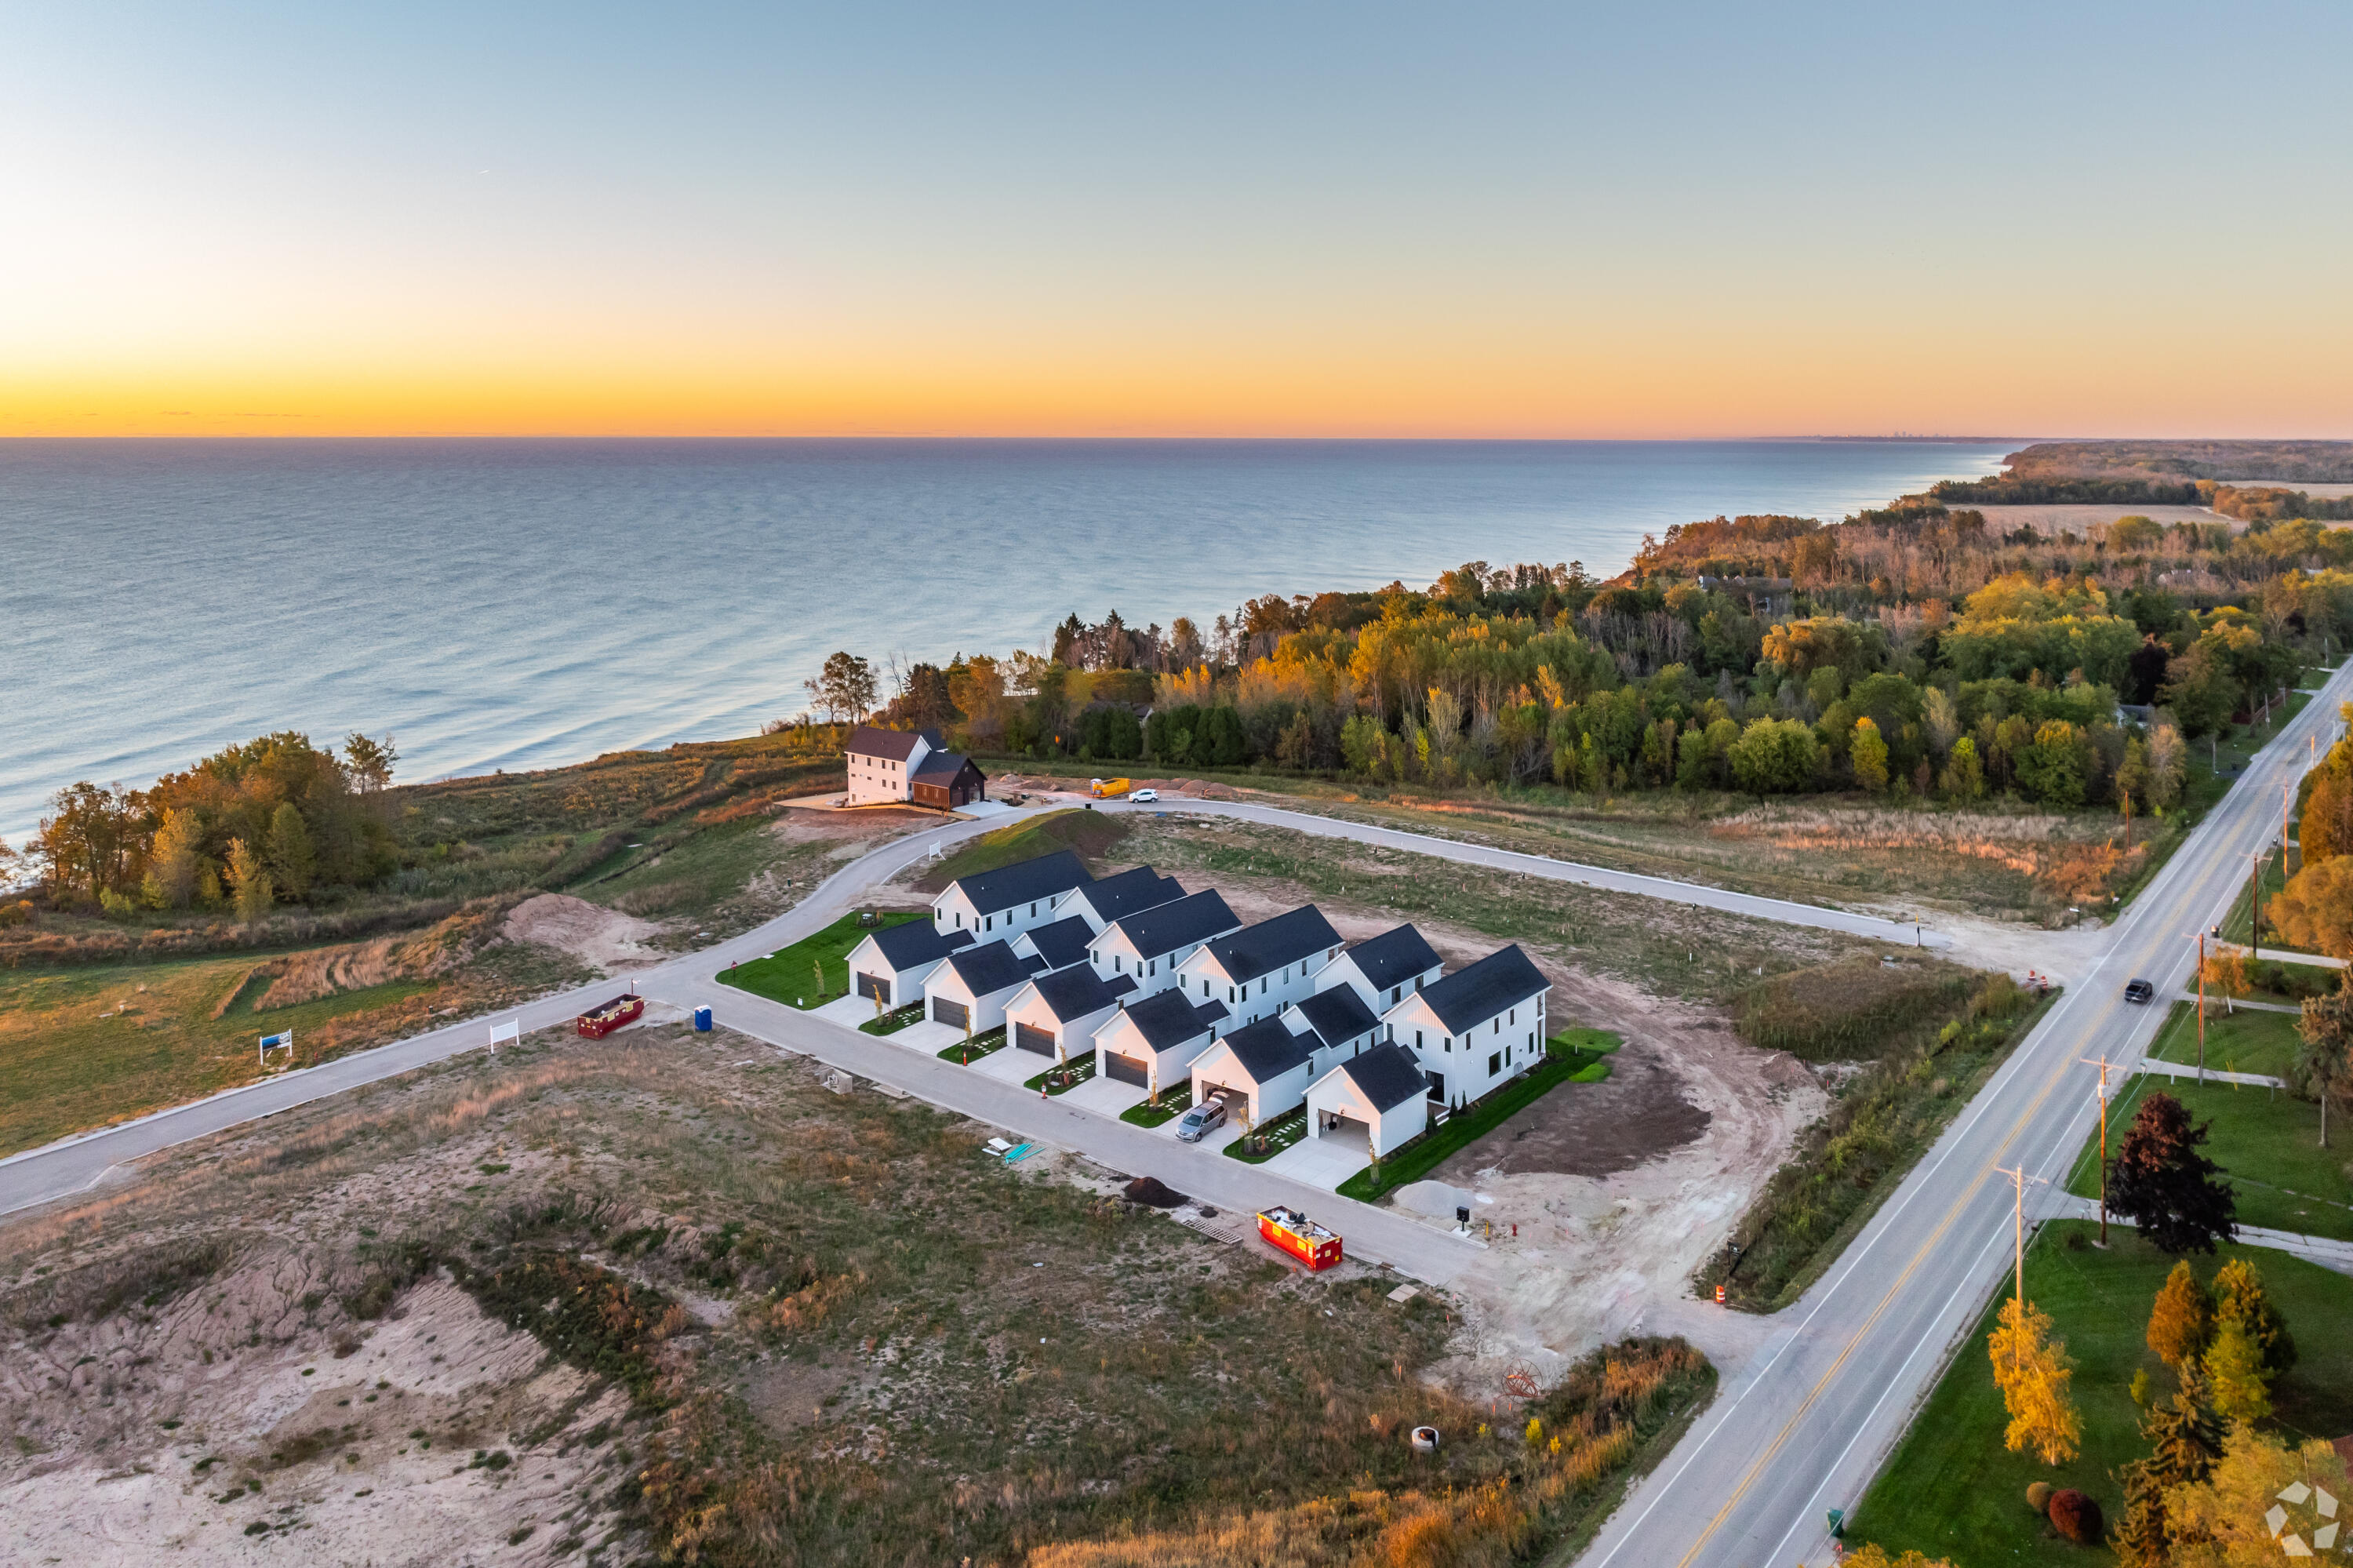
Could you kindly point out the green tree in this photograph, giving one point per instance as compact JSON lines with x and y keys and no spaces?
{"x":844,"y":687}
{"x":1869,"y":757}
{"x":2160,"y":1181}
{"x":249,"y":880}
{"x":2051,"y":766}
{"x":94,"y":845}
{"x":2202,"y":693}
{"x":2184,"y":1442}
{"x":1964,"y":775}
{"x":2182,"y":1321}
{"x":2240,"y":1298}
{"x":292,"y":861}
{"x":1775,"y":756}
{"x":2234,"y":1366}
{"x":370,"y":762}
{"x":2324,"y":1056}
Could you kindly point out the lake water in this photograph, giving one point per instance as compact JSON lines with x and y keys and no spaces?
{"x":524,"y":603}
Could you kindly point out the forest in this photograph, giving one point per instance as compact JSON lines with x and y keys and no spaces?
{"x":1909,"y":653}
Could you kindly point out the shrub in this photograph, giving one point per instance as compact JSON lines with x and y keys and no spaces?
{"x":2076,"y":1517}
{"x":2038,"y":1498}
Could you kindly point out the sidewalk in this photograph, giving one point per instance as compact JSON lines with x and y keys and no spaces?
{"x":2211,"y":1075}
{"x":2325,"y":1251}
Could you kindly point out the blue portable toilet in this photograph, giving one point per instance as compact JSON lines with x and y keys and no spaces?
{"x":703,"y":1021}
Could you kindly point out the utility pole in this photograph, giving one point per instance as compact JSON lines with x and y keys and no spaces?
{"x":2018,"y":1226}
{"x":2128,"y":822}
{"x":2102,"y":1064}
{"x":2256,"y":909}
{"x":2287,"y":797}
{"x":2202,"y":1007}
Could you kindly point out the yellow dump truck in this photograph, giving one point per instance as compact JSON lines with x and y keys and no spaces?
{"x":1110,"y":788}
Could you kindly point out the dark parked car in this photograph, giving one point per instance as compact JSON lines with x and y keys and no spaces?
{"x":2138,"y":990}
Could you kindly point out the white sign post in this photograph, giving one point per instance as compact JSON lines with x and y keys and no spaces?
{"x":510,"y":1032}
{"x":275,"y":1041}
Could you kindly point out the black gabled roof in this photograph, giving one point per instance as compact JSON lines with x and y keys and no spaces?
{"x":1193,"y":918}
{"x":944,"y":765}
{"x":1270,"y":945}
{"x":1268,"y":1049}
{"x":987,"y":969}
{"x":1387,"y":1075}
{"x":1063,"y":943}
{"x":1394,"y":957}
{"x":898,"y":745}
{"x":1075,"y":992}
{"x":917,"y":942}
{"x":1474,"y":995}
{"x":1047,"y":876}
{"x":1131,"y":893}
{"x":1338,"y":1014}
{"x":1164,"y":1018}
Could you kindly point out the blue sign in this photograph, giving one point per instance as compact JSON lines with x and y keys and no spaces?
{"x":270,"y":1042}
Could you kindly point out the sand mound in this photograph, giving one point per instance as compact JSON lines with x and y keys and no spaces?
{"x":590,"y":932}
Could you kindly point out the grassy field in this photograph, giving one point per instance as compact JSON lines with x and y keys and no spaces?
{"x":2267,"y":1141}
{"x":1929,"y":1044}
{"x":913,"y":1352}
{"x":2247,"y":1042}
{"x":1091,"y":834}
{"x":1570,"y":1057}
{"x":791,"y":975}
{"x":1953,"y":1491}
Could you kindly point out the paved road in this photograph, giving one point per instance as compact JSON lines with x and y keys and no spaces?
{"x":1803,"y":1428}
{"x":1784,"y":911}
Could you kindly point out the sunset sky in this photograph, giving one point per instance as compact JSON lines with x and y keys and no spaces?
{"x":1311,"y":219}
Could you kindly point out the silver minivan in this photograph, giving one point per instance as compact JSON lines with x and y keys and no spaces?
{"x":1207,"y":1117}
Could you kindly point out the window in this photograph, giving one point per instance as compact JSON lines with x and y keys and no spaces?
{"x":1515,"y":1015}
{"x":1230,"y":994}
{"x":1417,"y":1038}
{"x":1152,"y":967}
{"x":1397,"y":993}
{"x":1495,"y":1062}
{"x":988,"y":923}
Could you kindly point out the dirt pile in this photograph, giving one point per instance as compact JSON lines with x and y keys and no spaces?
{"x":1153,"y":1193}
{"x":590,"y":932}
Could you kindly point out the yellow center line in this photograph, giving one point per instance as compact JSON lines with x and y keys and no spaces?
{"x":1757,"y":1467}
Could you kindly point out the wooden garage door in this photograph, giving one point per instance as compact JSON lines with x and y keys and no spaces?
{"x":1038,"y":1040}
{"x":1126,"y":1070}
{"x":950,"y":1013}
{"x":874,"y":990}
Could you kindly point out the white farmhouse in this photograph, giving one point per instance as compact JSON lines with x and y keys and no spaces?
{"x":1151,"y":946}
{"x":1152,"y":1043}
{"x":1056,"y":1014}
{"x":1011,"y":899}
{"x":1378,"y":1101}
{"x":891,"y":964}
{"x":1381,"y":969}
{"x":1260,"y":1069}
{"x":972,"y":985}
{"x":1476,"y":1027}
{"x":1263,"y":968}
{"x":882,"y":761}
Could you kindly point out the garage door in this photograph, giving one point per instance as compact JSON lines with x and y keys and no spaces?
{"x":1038,"y":1040}
{"x":874,"y":990}
{"x":1126,"y":1070}
{"x":950,"y":1013}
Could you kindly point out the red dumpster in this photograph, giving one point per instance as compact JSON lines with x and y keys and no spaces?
{"x":599,"y":1021}
{"x":1300,"y":1236}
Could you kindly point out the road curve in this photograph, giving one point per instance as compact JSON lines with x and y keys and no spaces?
{"x":1806,"y":1425}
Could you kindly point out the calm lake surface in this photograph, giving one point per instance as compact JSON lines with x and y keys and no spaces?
{"x":524,"y":603}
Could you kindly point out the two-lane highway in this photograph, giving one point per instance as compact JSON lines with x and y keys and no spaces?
{"x":1805,"y":1428}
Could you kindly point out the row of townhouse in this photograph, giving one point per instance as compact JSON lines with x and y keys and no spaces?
{"x":1162,"y":987}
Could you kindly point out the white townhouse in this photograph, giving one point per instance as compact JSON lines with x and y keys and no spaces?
{"x":1110,"y":898}
{"x":972,"y":985}
{"x":1060,"y":945}
{"x":890,"y":965}
{"x":1011,"y":899}
{"x":1378,"y":1097}
{"x":1261,"y":1069}
{"x":1381,"y":969}
{"x":1152,"y":945}
{"x":1152,"y":1043}
{"x":883,"y":761}
{"x":1343,"y":1025}
{"x":1261,"y":969}
{"x":1475,"y":1028}
{"x":1057,"y":1014}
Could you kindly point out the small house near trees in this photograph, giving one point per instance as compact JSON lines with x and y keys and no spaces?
{"x":913,"y":766}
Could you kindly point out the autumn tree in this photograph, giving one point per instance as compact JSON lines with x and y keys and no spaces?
{"x":1868,"y":755}
{"x":177,"y":862}
{"x":2161,"y":1182}
{"x":1964,"y":775}
{"x":2314,"y":913}
{"x":291,"y":859}
{"x":2240,"y":1298}
{"x":844,"y":686}
{"x":2225,"y":971}
{"x":2034,"y":1374}
{"x":2234,"y":1368}
{"x":2323,"y":1057}
{"x":1873,"y":1556}
{"x":370,"y":762}
{"x":2221,"y":1519}
{"x":2184,"y":1442}
{"x":94,"y":845}
{"x":248,"y":882}
{"x":2182,"y":1321}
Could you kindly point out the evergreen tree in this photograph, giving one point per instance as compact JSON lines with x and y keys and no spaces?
{"x":2182,"y":1321}
{"x":292,"y":861}
{"x":248,"y":882}
{"x":2184,"y":1442}
{"x":2234,"y":1366}
{"x":2160,"y":1181}
{"x":2240,"y":1298}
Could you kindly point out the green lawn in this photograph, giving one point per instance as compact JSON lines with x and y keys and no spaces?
{"x":972,"y":1050}
{"x":789,"y":974}
{"x":1174,"y":1102}
{"x":2235,"y":1043}
{"x":1278,"y":1135}
{"x":2268,"y":1142}
{"x":1573,"y":1054}
{"x":1953,"y":1491}
{"x":1061,"y":1080}
{"x":892,"y":1022}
